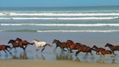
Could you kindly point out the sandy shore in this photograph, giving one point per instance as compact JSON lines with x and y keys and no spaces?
{"x":37,"y":63}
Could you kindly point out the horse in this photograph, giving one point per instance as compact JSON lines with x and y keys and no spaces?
{"x":112,"y":47}
{"x":39,"y":44}
{"x":97,"y":49}
{"x":101,"y":50}
{"x":15,"y":44}
{"x":71,"y":45}
{"x":5,"y":48}
{"x":23,"y":42}
{"x":60,"y":44}
{"x":83,"y":48}
{"x":104,"y":52}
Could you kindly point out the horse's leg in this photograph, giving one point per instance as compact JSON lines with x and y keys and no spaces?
{"x":56,"y":47}
{"x":77,"y":53}
{"x":4,"y":51}
{"x":113,"y":53}
{"x":91,"y":53}
{"x":71,"y":50}
{"x":43,"y":49}
{"x":9,"y":51}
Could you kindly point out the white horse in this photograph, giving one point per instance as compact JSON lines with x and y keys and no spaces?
{"x":39,"y":44}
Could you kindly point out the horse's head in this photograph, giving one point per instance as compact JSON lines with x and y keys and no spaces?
{"x":18,"y":39}
{"x":11,"y":41}
{"x":70,"y":41}
{"x":108,"y":44}
{"x":35,"y":41}
{"x":94,"y":46}
{"x":54,"y":41}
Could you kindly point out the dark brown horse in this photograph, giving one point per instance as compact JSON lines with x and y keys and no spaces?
{"x":5,"y":48}
{"x":60,"y":44}
{"x":23,"y":43}
{"x":112,"y":47}
{"x":97,"y":49}
{"x":83,"y":48}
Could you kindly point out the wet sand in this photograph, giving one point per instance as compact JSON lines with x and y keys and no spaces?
{"x":40,"y":63}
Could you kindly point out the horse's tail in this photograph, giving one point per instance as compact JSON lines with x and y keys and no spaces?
{"x":49,"y":45}
{"x":8,"y":47}
{"x":31,"y":43}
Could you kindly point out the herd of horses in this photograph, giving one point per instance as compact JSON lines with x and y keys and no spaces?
{"x":69,"y":45}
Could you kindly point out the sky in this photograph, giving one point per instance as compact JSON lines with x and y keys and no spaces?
{"x":57,"y":3}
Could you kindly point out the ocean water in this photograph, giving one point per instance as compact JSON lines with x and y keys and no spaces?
{"x":60,"y":19}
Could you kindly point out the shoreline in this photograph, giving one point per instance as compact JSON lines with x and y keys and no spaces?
{"x":37,"y":63}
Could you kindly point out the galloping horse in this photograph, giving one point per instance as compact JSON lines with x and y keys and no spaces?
{"x":23,"y":42}
{"x":112,"y":47}
{"x":95,"y":48}
{"x":5,"y":48}
{"x":101,"y":50}
{"x":84,"y":48}
{"x":60,"y":44}
{"x":16,"y":44}
{"x":71,"y":45}
{"x":40,"y":44}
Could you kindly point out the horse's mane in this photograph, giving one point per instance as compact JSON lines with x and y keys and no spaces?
{"x":36,"y":40}
{"x":109,"y":44}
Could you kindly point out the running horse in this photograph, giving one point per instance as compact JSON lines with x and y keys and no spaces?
{"x":19,"y":43}
{"x":83,"y":48}
{"x":101,"y":50}
{"x":23,"y":43}
{"x":60,"y":44}
{"x":15,"y":44}
{"x":39,"y":44}
{"x":112,"y":47}
{"x":71,"y":45}
{"x":5,"y":48}
{"x":97,"y":49}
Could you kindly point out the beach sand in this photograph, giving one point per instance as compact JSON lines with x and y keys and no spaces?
{"x":40,"y":63}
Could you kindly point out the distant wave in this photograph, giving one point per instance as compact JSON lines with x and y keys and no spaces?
{"x":87,"y":25}
{"x":78,"y":31}
{"x":25,"y":30}
{"x":59,"y":18}
{"x":59,"y":14}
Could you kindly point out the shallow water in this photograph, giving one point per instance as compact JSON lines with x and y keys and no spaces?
{"x":90,"y":39}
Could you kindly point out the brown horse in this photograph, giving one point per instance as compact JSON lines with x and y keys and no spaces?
{"x":101,"y":50}
{"x":71,"y":45}
{"x":95,"y":48}
{"x":104,"y":52}
{"x":5,"y":48}
{"x":16,"y":44}
{"x":23,"y":43}
{"x":60,"y":44}
{"x":112,"y":47}
{"x":83,"y":48}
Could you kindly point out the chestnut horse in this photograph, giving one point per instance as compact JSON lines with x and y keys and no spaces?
{"x":97,"y":49}
{"x":16,"y":44}
{"x":101,"y":50}
{"x":60,"y":44}
{"x":112,"y":47}
{"x":71,"y":45}
{"x":23,"y":43}
{"x":5,"y":48}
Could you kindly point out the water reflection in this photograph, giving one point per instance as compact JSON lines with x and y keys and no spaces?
{"x":59,"y":55}
{"x":21,"y":56}
{"x":64,"y":56}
